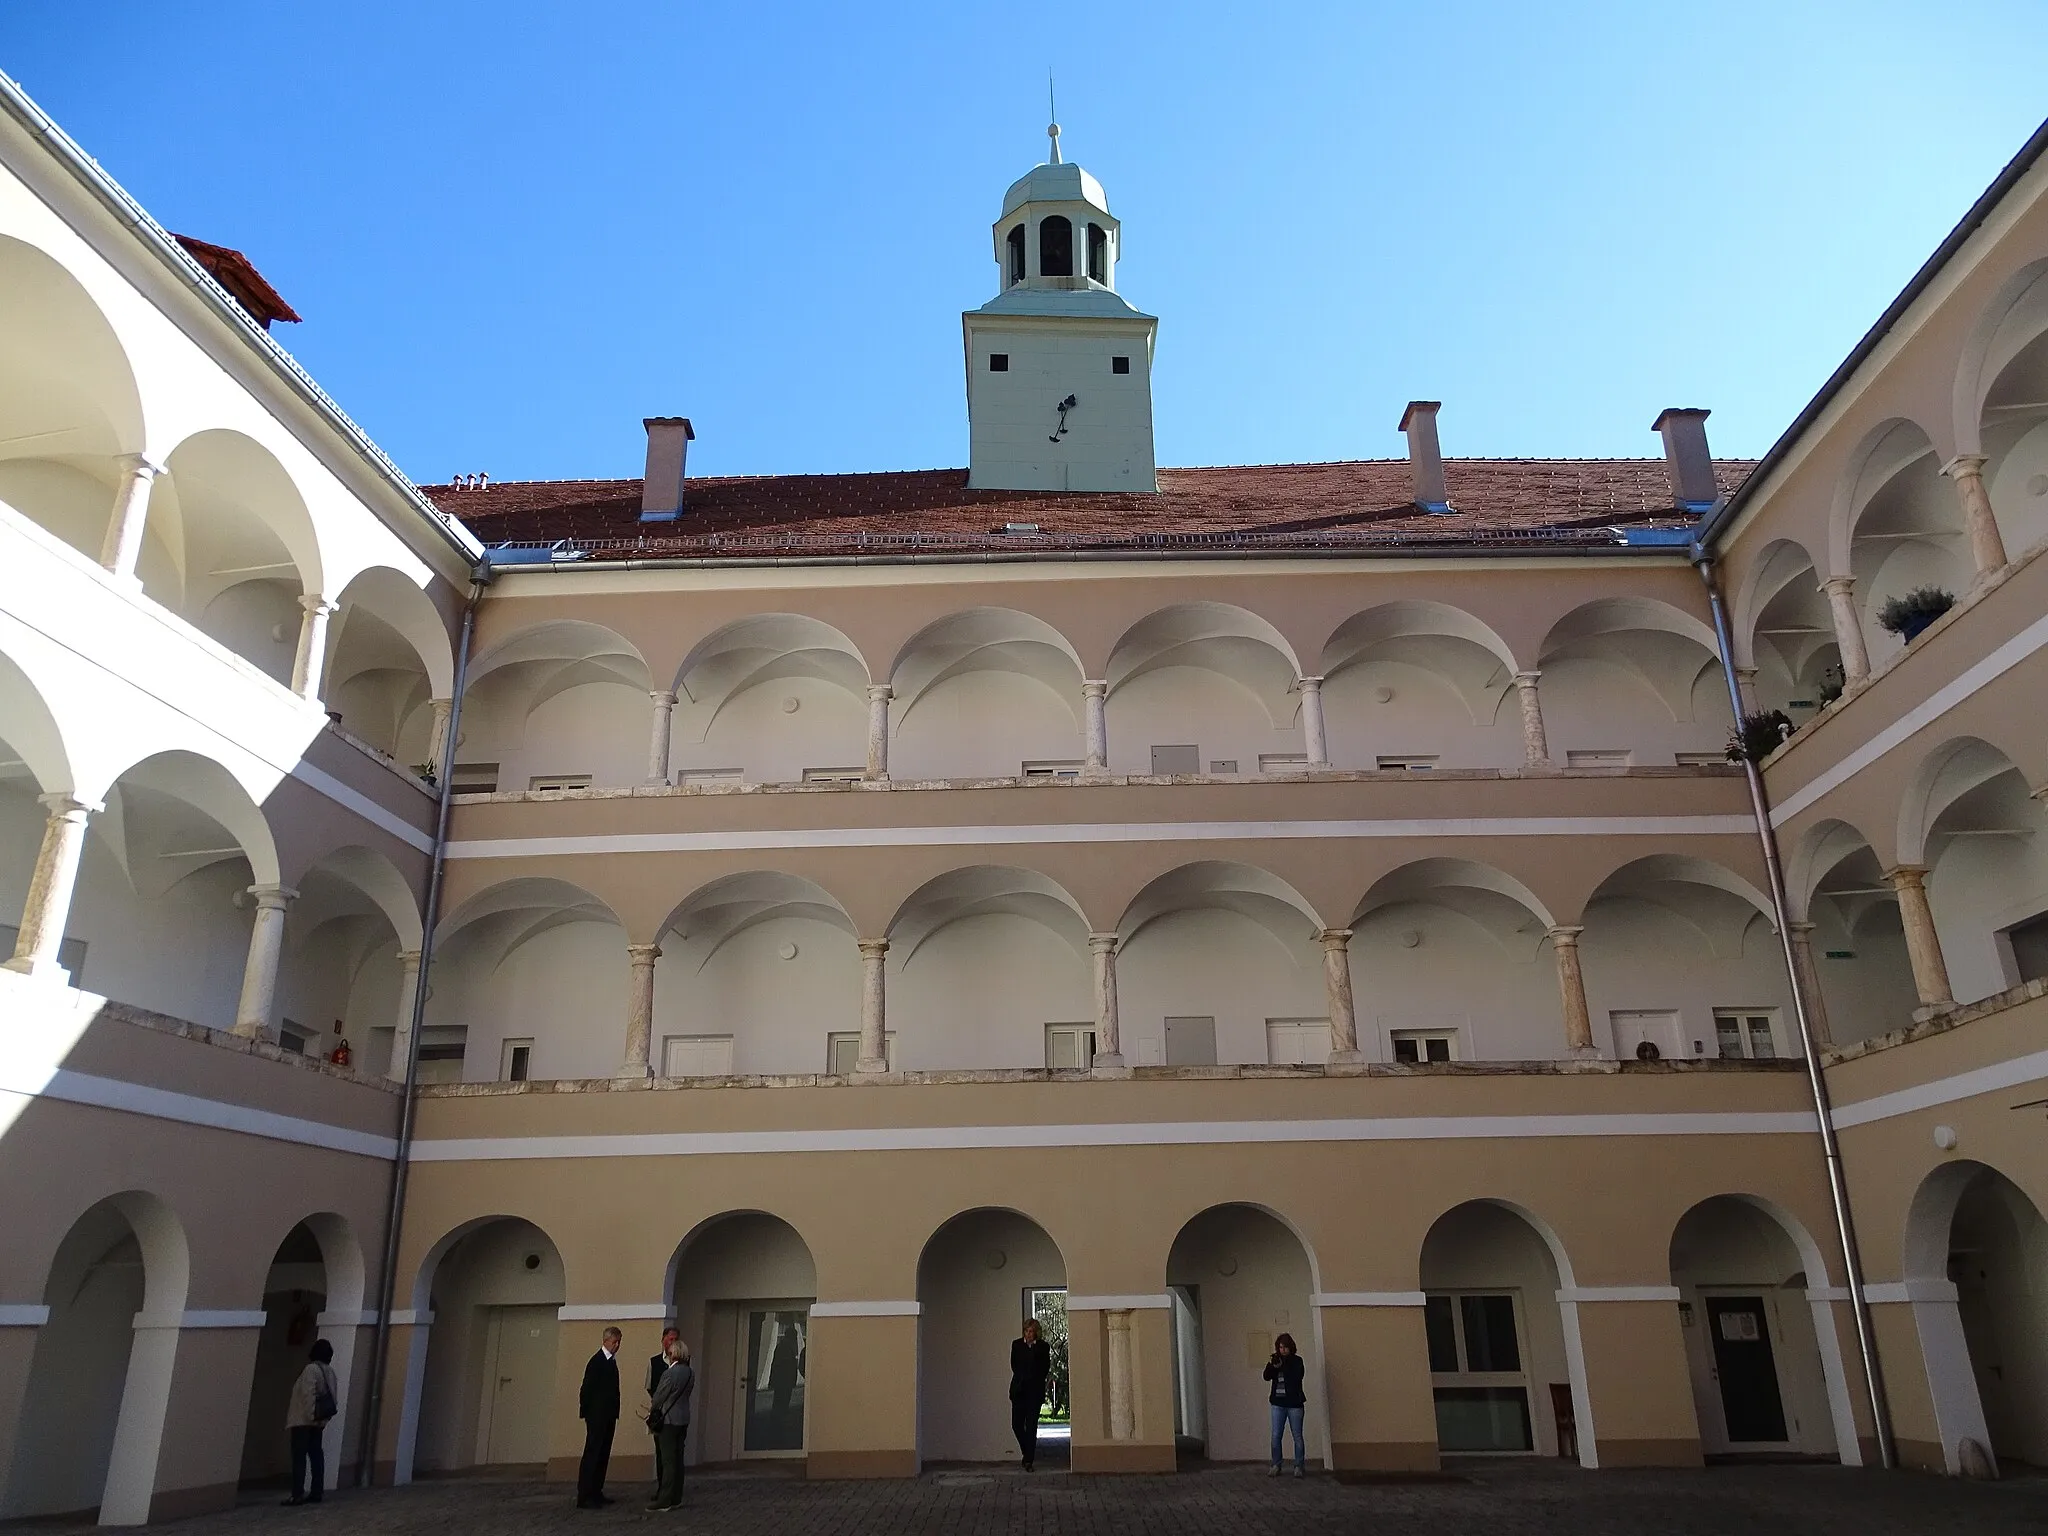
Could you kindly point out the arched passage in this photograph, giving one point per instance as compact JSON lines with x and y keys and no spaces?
{"x":2002,"y":406}
{"x":1976,"y":1268}
{"x":768,"y":699}
{"x":991,"y":969}
{"x":1237,"y":1277}
{"x":1630,"y":680}
{"x":1897,"y":526}
{"x":481,"y":1377}
{"x":1790,"y":634}
{"x":347,"y":934}
{"x":388,"y":660}
{"x":99,"y":1384}
{"x":976,"y":1281}
{"x":1202,"y":684}
{"x":1866,"y":978}
{"x":986,"y":693}
{"x":1503,"y":1356}
{"x":1765,"y":1359}
{"x":742,"y":1285}
{"x":557,"y":705}
{"x":1218,"y":963}
{"x":313,"y":1290}
{"x":1414,"y":680}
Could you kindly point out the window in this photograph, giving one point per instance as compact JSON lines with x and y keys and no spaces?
{"x":1475,"y":1363}
{"x":474,"y":779}
{"x":1700,"y":759}
{"x":1420,"y":1045}
{"x":515,"y":1061}
{"x":1055,"y":247}
{"x":711,"y":776}
{"x":696,"y":1056}
{"x":1177,"y":759}
{"x":1063,"y":769}
{"x":842,"y":1052}
{"x":1297,"y":1042}
{"x":1070,"y":1045}
{"x":834,"y":775}
{"x":1098,"y":256}
{"x":1223,"y":765}
{"x":1282,"y":762}
{"x":999,"y":362}
{"x":1742,"y":1033}
{"x":1600,"y":758}
{"x":1404,"y":763}
{"x":1119,"y":365}
{"x":2029,"y":941}
{"x":544,"y":782}
{"x":442,"y":1052}
{"x":293,"y":1036}
{"x":1015,"y":242}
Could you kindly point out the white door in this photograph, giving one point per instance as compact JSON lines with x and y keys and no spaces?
{"x":519,"y":1376}
{"x":771,"y":1379}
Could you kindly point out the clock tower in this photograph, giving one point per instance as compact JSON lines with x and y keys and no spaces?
{"x":1059,"y":366}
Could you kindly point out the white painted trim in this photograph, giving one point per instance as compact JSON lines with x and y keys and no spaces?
{"x":188,"y":1109}
{"x":1834,"y":1372}
{"x":23,"y":1315}
{"x":1910,"y":1290}
{"x":1575,"y":1372}
{"x":411,"y":1317}
{"x":1094,"y":832}
{"x":1584,"y":1293}
{"x":1828,"y":1293}
{"x":1945,"y":1090}
{"x":952,"y":1138}
{"x":354,"y":800}
{"x":1368,"y":1299}
{"x":346,"y":1320}
{"x":206,"y":1318}
{"x":1915,"y":720}
{"x":867,"y":1308}
{"x":621,"y":1312}
{"x":1138,"y":1303}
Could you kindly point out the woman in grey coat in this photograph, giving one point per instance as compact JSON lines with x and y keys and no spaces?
{"x":671,"y":1409}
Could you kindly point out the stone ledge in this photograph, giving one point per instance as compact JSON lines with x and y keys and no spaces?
{"x":1937,"y":1024}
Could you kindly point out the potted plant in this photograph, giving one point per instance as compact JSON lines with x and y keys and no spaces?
{"x":1759,"y":735}
{"x":1907,"y":616}
{"x":1830,"y":686}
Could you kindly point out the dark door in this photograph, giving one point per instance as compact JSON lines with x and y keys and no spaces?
{"x":1749,"y":1376}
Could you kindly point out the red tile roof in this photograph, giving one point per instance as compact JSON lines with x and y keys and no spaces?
{"x":1519,"y":502}
{"x":237,"y":273}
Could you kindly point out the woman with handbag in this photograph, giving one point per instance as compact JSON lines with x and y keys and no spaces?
{"x":315,"y":1399}
{"x":668,"y":1415}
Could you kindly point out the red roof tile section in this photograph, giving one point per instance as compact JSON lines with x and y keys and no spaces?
{"x":1516,"y":502}
{"x":237,"y":273}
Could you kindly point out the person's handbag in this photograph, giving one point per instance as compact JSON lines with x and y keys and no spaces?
{"x":324,"y":1405}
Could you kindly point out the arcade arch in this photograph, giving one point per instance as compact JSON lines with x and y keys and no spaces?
{"x":1199,"y":684}
{"x":981,"y":693}
{"x":555,"y":704}
{"x":1419,"y":679}
{"x":1630,"y":680}
{"x":768,"y":698}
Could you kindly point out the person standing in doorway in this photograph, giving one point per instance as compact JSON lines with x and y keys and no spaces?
{"x":597,"y":1404}
{"x":1030,"y":1364}
{"x":669,"y":1417}
{"x":657,"y":1366}
{"x":316,"y":1398}
{"x":1284,"y":1372}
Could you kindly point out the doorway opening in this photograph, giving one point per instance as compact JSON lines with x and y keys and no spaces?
{"x":1047,"y":1306}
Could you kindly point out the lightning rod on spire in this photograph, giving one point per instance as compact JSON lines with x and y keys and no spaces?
{"x":1052,"y":130}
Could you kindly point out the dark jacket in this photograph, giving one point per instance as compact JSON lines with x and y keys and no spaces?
{"x":656,"y":1367}
{"x":1030,"y":1364}
{"x":1285,"y":1372}
{"x":599,"y":1398}
{"x":672,"y":1395}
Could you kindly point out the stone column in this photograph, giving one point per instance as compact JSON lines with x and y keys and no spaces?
{"x":266,"y":949}
{"x":1801,"y":937}
{"x":1923,"y":945}
{"x":639,"y":1011}
{"x":1109,"y":1047}
{"x":1987,"y":549}
{"x":1096,"y":694}
{"x":1123,"y":1416}
{"x":657,"y":738}
{"x":1571,"y":984}
{"x":437,"y":736}
{"x":312,"y":657}
{"x":1312,"y":734}
{"x":48,"y":906}
{"x":879,"y":695}
{"x":123,"y":544}
{"x":1745,"y":688}
{"x":1535,"y":745}
{"x":1841,"y":595}
{"x":401,"y":1037}
{"x":874,"y":1008}
{"x":1336,"y":944}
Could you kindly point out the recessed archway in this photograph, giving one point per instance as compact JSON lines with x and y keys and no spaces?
{"x":1203,"y":688}
{"x":769,"y":699}
{"x":1630,"y":680}
{"x":312,"y":1291}
{"x":555,"y":705}
{"x":983,"y":694}
{"x":1418,"y":681}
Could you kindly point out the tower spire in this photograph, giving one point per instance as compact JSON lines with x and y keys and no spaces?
{"x":1052,"y":130}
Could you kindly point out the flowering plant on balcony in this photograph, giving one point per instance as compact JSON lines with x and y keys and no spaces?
{"x":1907,"y":616}
{"x":1759,"y":735}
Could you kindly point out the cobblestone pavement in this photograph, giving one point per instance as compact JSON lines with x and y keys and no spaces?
{"x":1494,"y":1499}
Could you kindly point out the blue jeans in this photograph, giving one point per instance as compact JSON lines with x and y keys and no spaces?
{"x":1283,"y":1419}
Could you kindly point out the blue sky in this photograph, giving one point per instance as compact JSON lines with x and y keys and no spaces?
{"x":517,"y":228}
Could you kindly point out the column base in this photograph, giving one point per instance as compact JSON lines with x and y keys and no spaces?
{"x":874,"y":778}
{"x":1350,"y":1058}
{"x":48,"y":972}
{"x":870,"y":1070}
{"x":1928,"y":1011}
{"x":1110,"y":1065}
{"x":246,"y":1030}
{"x":632,"y":1072}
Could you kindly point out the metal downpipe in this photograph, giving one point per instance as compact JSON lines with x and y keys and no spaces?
{"x":1831,"y":1149}
{"x":394,"y":1213}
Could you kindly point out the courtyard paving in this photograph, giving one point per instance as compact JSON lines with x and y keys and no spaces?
{"x":1494,"y":1499}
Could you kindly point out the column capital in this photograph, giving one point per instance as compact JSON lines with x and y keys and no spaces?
{"x":1308,"y":684}
{"x":408,"y":957}
{"x":1333,"y":938}
{"x":64,"y":806}
{"x":664,"y":698}
{"x":1965,"y":464}
{"x":1746,"y":674}
{"x":1093,"y":687}
{"x":1839,"y":586}
{"x":880,"y":692}
{"x":315,"y":603}
{"x":141,"y":466}
{"x":1103,"y":943}
{"x":1528,"y":679}
{"x":273,"y":898}
{"x":873,"y":948}
{"x":1800,"y":928}
{"x":643,"y":954}
{"x":1907,"y":876}
{"x":1563,"y":933}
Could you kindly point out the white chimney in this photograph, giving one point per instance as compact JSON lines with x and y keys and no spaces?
{"x":668,"y":452}
{"x":1425,"y":458}
{"x":1687,"y":459}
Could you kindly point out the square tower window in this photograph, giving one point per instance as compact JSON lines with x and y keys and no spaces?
{"x":1119,"y":365}
{"x":999,"y":362}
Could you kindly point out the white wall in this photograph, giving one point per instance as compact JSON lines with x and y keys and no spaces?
{"x":2001,"y":1272}
{"x":1592,"y":705}
{"x":756,"y":732}
{"x":984,"y":725}
{"x":565,"y":989}
{"x":972,"y":1278}
{"x":980,"y":991}
{"x":1426,"y":716}
{"x":1978,"y":886}
{"x":595,"y":728}
{"x":1208,"y":961}
{"x":1636,"y":955}
{"x":1503,"y":1001}
{"x":1178,"y":705}
{"x":778,"y":1011}
{"x":1874,"y":992}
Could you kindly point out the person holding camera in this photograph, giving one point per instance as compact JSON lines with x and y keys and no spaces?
{"x":1284,"y":1371}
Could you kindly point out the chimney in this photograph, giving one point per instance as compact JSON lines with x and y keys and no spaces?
{"x":1690,"y":465}
{"x":668,"y":450}
{"x":1425,"y":458}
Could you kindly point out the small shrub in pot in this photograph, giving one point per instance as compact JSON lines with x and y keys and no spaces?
{"x":1908,"y":615}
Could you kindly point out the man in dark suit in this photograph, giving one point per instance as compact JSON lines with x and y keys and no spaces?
{"x":597,"y":1404}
